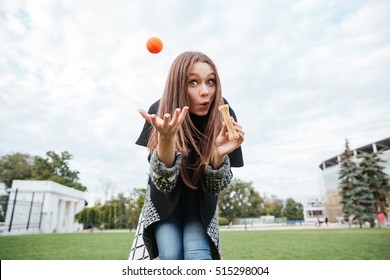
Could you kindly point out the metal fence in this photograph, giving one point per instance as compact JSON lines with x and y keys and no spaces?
{"x":33,"y":210}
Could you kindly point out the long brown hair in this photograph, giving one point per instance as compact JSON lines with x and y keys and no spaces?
{"x":189,"y":139}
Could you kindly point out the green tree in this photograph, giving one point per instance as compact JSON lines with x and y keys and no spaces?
{"x":273,"y":206}
{"x":90,"y":217}
{"x":56,"y":168}
{"x":293,"y":210}
{"x":12,"y":167}
{"x":108,"y":215}
{"x":123,"y":204}
{"x":118,"y":212}
{"x":377,"y":179}
{"x":137,"y":198}
{"x":112,"y":214}
{"x":240,"y":199}
{"x":356,"y":197}
{"x":15,"y":167}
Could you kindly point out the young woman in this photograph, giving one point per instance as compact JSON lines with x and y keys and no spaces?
{"x":190,"y":158}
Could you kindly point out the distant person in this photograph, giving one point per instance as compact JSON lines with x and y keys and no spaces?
{"x":318,"y":221}
{"x":381,"y":219}
{"x":326,"y":221}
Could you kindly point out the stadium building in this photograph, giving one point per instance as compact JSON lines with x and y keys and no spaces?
{"x":330,"y":172}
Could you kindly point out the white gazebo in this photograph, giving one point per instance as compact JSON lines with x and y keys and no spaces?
{"x":42,"y":207}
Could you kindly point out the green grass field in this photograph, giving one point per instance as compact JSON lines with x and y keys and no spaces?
{"x":335,"y":244}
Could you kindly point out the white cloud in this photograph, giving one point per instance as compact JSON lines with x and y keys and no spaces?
{"x":301,"y":79}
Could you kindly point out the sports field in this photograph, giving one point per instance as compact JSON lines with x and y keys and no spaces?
{"x":312,"y":244}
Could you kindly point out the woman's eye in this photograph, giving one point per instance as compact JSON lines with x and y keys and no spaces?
{"x":211,"y":82}
{"x":193,"y":82}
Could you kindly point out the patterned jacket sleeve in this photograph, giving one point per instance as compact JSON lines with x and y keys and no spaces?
{"x":218,"y":180}
{"x":164,"y":178}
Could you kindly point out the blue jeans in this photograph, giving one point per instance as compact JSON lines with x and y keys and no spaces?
{"x":182,"y":236}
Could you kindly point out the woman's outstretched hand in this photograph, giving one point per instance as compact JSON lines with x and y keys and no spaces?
{"x":167,"y":128}
{"x":224,"y":146}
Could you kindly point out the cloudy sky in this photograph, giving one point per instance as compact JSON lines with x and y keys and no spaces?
{"x":302,"y":77}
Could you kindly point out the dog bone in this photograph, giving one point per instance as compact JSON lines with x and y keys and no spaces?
{"x":232,"y":133}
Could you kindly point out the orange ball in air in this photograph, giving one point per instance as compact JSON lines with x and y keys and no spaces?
{"x":154,"y":45}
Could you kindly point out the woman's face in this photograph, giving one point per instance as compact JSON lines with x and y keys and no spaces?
{"x":201,"y":88}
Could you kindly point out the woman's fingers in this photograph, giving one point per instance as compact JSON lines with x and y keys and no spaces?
{"x":154,"y":120}
{"x":176,"y":115}
{"x":166,"y":120}
{"x":166,"y":123}
{"x":144,"y":114}
{"x":182,"y":115}
{"x":238,"y":127}
{"x":179,"y":116}
{"x":224,"y":130}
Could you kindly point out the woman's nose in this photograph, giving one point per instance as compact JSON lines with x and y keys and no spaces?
{"x":204,"y":90}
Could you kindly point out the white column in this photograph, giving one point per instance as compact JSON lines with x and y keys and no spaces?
{"x":70,"y":222}
{"x":61,"y":216}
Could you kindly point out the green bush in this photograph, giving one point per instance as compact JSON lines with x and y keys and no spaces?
{"x":223,"y":221}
